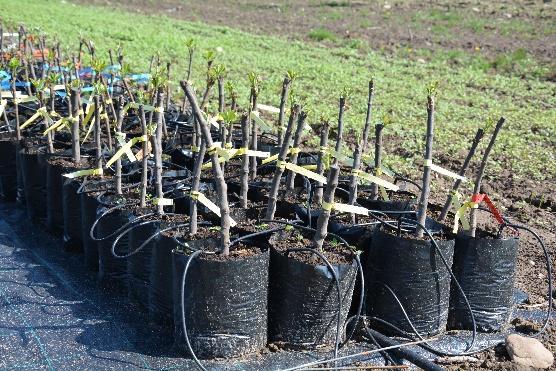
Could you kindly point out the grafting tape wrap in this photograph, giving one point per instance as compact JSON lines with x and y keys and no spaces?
{"x":414,"y":271}
{"x":485,"y":269}
{"x":223,"y":304}
{"x":305,"y":306}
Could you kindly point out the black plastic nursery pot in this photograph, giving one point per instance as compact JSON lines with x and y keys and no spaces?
{"x":54,"y":196}
{"x":225,"y":303}
{"x":413,"y":271}
{"x":8,"y":169}
{"x":112,"y":271}
{"x":485,"y":268}
{"x":71,"y":210}
{"x":20,"y":192}
{"x":303,"y":300}
{"x":139,"y":263}
{"x":400,"y":201}
{"x":89,"y":205}
{"x":33,"y":161}
{"x":160,"y":289}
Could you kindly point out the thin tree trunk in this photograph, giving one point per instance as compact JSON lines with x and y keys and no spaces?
{"x":340,"y":125}
{"x":98,"y":143}
{"x":273,"y":193}
{"x":16,"y":109}
{"x":290,"y":180}
{"x":283,"y":100}
{"x":369,"y":116}
{"x":168,"y":88}
{"x":353,"y":178}
{"x":425,"y":191}
{"x":206,"y":96}
{"x":107,"y":125}
{"x":481,"y":172}
{"x":244,"y":180}
{"x":378,"y":158}
{"x":254,"y":138}
{"x":75,"y":135}
{"x":195,"y":188}
{"x":145,"y":159}
{"x":189,"y":65}
{"x":324,"y":216}
{"x":478,"y":136}
{"x":50,"y":144}
{"x":158,"y":150}
{"x":220,"y":94}
{"x":325,"y":128}
{"x":221,"y":186}
{"x":119,"y":122}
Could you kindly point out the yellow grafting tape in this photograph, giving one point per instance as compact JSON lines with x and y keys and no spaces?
{"x":252,"y":153}
{"x":209,"y":204}
{"x":268,"y":108}
{"x":124,"y":148}
{"x":275,"y":157}
{"x":376,"y":180}
{"x":163,"y":201}
{"x":55,"y":126}
{"x":40,"y":112}
{"x":81,"y":173}
{"x":270,"y":159}
{"x":90,"y":111}
{"x":302,"y":171}
{"x":448,"y":173}
{"x":352,"y":209}
{"x":327,"y":206}
{"x":120,"y":137}
{"x":25,"y":99}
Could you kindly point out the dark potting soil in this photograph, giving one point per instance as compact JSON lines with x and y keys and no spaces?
{"x":67,"y":163}
{"x":238,"y":251}
{"x":334,"y":252}
{"x":445,"y":236}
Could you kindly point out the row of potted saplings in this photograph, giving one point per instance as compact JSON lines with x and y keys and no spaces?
{"x":227,"y":286}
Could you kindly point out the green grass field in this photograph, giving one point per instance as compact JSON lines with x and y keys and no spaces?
{"x":470,"y":90}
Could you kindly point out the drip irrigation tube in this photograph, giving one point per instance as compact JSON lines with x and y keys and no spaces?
{"x":117,"y":231}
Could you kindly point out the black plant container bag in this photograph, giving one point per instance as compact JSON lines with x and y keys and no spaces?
{"x":225,"y":304}
{"x":485,"y":269}
{"x":413,"y":271}
{"x":303,"y":301}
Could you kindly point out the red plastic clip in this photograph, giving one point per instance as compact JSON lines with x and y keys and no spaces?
{"x":480,"y":197}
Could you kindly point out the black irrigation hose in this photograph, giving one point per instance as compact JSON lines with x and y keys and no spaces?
{"x":364,"y":353}
{"x":146,"y":242}
{"x":184,"y":326}
{"x":93,"y":227}
{"x":361,"y":299}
